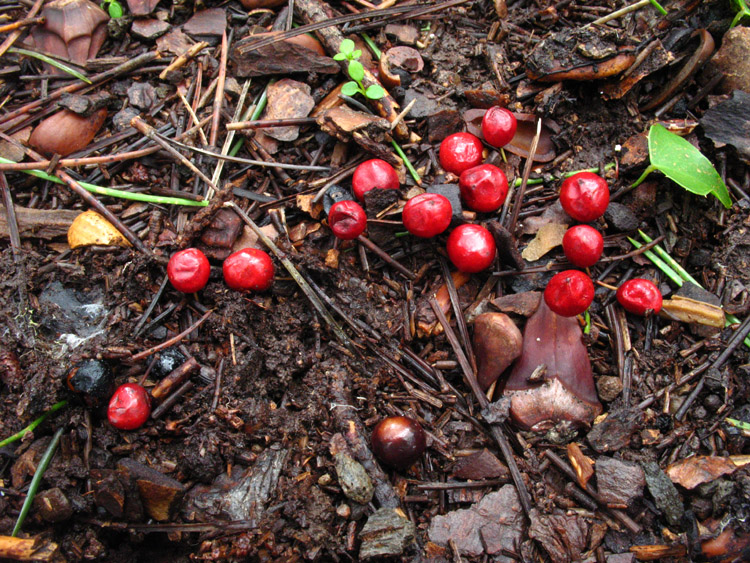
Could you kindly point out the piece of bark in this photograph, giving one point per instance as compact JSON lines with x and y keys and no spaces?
{"x":211,"y":22}
{"x":563,"y":536}
{"x":700,"y":469}
{"x":385,"y":534}
{"x":583,"y":465}
{"x":729,"y":122}
{"x":53,"y":505}
{"x":281,"y":57}
{"x":368,"y":131}
{"x":354,"y":481}
{"x":665,"y":494}
{"x":507,"y":246}
{"x":480,"y":465}
{"x":223,"y":230}
{"x":524,"y":304}
{"x":39,"y":223}
{"x":31,"y":549}
{"x":614,"y":432}
{"x":141,"y":7}
{"x":160,"y":494}
{"x":315,"y":11}
{"x":287,"y":98}
{"x":619,"y":482}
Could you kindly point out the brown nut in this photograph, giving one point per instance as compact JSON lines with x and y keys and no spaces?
{"x":66,"y":132}
{"x":73,"y":29}
{"x":404,"y":58}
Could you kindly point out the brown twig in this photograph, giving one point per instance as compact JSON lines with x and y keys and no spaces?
{"x":264,"y":123}
{"x":219,"y":97}
{"x":383,"y":255}
{"x":181,"y":60}
{"x":459,"y":314}
{"x":21,"y":23}
{"x":8,"y":43}
{"x":172,"y":341}
{"x":15,"y":236}
{"x":525,"y":178}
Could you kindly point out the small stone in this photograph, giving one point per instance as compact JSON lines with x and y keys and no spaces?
{"x":665,"y":494}
{"x":619,"y":482}
{"x":404,"y":34}
{"x":141,"y":7}
{"x":732,"y":59}
{"x":614,"y":432}
{"x":344,"y":510}
{"x":481,"y":465}
{"x":142,"y":95}
{"x":423,"y":107}
{"x":354,"y":480}
{"x":149,"y":29}
{"x":441,"y":124}
{"x":620,"y":217}
{"x":385,"y":534}
{"x":524,"y":304}
{"x":609,"y":387}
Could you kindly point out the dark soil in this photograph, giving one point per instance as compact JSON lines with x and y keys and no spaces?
{"x":254,"y":445}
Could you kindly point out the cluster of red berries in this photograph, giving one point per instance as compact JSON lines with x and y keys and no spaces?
{"x":248,"y":269}
{"x":585,"y":196}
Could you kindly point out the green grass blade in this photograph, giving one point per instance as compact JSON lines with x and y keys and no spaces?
{"x":50,"y":61}
{"x":659,"y":263}
{"x":30,"y":428}
{"x":407,"y":163}
{"x":664,"y":255}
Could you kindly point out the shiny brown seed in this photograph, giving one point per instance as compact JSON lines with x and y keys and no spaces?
{"x":398,"y":441}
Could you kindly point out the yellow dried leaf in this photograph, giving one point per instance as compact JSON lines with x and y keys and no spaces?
{"x":548,"y":237}
{"x":90,"y":228}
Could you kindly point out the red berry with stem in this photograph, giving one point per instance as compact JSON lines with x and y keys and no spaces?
{"x":347,"y":219}
{"x":459,"y":152}
{"x":471,"y":248}
{"x":129,"y":407}
{"x":639,"y":296}
{"x":498,"y":126}
{"x":249,"y":269}
{"x":584,"y":196}
{"x":188,"y":270}
{"x":427,"y":215}
{"x":583,"y":245}
{"x":569,"y":293}
{"x":483,"y":188}
{"x":374,"y":174}
{"x":398,"y":441}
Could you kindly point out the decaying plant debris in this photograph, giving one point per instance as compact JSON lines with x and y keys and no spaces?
{"x":209,"y":125}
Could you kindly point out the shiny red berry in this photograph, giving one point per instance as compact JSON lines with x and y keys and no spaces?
{"x":583,"y":245}
{"x":188,"y":270}
{"x":569,"y":293}
{"x":471,"y":248}
{"x":584,"y":196}
{"x":248,"y":269}
{"x":129,"y":407}
{"x":398,"y":441}
{"x":374,"y":174}
{"x":639,"y":296}
{"x":347,"y":219}
{"x":483,"y":188}
{"x":498,"y":126}
{"x":459,"y":152}
{"x":427,"y":215}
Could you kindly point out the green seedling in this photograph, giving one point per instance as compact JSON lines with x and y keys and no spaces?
{"x":114,"y":8}
{"x":743,"y":11}
{"x":682,"y":163}
{"x":50,"y":61}
{"x":30,"y":428}
{"x":347,"y":52}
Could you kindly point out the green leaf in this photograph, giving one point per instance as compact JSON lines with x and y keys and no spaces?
{"x":356,"y":71}
{"x":684,"y":164}
{"x":346,"y":47}
{"x":339,"y":57}
{"x":356,"y":54}
{"x":375,"y":92}
{"x":350,"y":89}
{"x":115,"y":9}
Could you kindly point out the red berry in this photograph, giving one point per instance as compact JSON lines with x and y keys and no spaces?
{"x":569,"y":293}
{"x":471,"y":248}
{"x":188,"y":270}
{"x":483,"y":188}
{"x":398,"y":441}
{"x":459,"y":152}
{"x":583,"y":245}
{"x":584,"y":196}
{"x":347,"y":219}
{"x":130,"y":407}
{"x":427,"y":215}
{"x":248,"y":269}
{"x":498,"y":126}
{"x":639,"y":296}
{"x":372,"y":174}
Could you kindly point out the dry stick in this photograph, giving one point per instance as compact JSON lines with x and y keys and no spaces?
{"x":262,"y":123}
{"x":732,"y":344}
{"x":125,"y":67}
{"x":229,"y":139}
{"x":8,"y":43}
{"x":21,"y":23}
{"x":181,"y":60}
{"x":15,"y":236}
{"x":565,"y":468}
{"x":31,"y":549}
{"x":192,"y":115}
{"x":459,"y":314}
{"x":151,"y":133}
{"x":301,"y":281}
{"x":383,"y":255}
{"x":615,"y":320}
{"x":131,"y":237}
{"x":315,"y":11}
{"x":484,"y":403}
{"x":219,"y":97}
{"x":526,"y":171}
{"x":172,"y":341}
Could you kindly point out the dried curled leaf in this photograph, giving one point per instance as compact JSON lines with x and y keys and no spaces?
{"x":90,"y":228}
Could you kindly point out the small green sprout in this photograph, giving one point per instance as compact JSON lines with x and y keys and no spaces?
{"x":113,"y":7}
{"x":743,"y":11}
{"x":347,"y":52}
